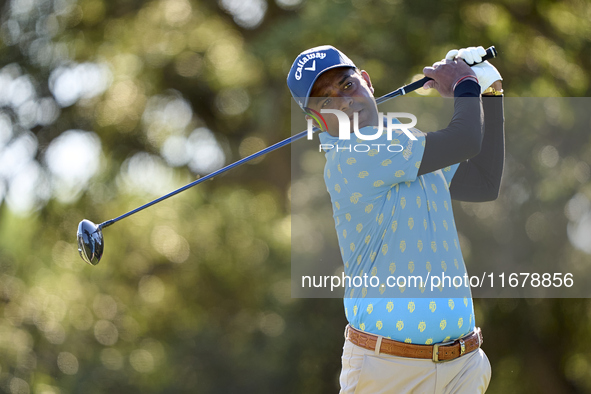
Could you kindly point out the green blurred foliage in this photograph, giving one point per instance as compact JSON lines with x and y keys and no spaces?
{"x":193,"y":294}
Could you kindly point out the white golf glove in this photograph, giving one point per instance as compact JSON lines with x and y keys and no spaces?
{"x":485,"y":72}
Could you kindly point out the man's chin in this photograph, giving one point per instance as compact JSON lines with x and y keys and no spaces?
{"x":366,"y":123}
{"x":364,"y":119}
{"x":361,"y":120}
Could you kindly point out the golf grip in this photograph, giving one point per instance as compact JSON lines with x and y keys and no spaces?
{"x":491,"y":53}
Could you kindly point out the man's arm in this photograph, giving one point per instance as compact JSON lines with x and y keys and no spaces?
{"x":479,"y":178}
{"x":462,"y":138}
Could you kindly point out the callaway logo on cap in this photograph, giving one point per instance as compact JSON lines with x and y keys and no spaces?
{"x":309,"y":65}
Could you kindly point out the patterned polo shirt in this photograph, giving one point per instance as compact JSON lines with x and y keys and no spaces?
{"x":392,"y":223}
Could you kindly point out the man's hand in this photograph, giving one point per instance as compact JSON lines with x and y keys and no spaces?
{"x":446,"y":74}
{"x":486,"y":73}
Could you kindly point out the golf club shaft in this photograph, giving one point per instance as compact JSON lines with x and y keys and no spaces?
{"x":490,"y":53}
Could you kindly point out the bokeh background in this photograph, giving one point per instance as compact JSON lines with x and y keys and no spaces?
{"x":105,"y":105}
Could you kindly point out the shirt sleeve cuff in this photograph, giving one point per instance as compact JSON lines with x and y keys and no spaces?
{"x":467,"y":88}
{"x":417,"y":157}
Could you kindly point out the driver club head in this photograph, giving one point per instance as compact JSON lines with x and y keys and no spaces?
{"x":90,"y":242}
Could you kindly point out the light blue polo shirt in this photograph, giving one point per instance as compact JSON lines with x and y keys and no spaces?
{"x":390,"y":223}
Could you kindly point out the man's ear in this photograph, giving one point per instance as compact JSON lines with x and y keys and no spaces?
{"x":367,"y":80}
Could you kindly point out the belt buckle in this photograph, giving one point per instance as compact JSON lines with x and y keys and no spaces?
{"x":436,"y":351}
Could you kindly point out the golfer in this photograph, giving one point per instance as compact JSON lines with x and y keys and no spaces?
{"x":393,"y":217}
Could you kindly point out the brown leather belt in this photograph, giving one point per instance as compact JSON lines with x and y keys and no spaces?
{"x":437,"y":352}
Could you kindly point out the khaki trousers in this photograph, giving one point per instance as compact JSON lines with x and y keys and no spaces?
{"x":364,"y":372}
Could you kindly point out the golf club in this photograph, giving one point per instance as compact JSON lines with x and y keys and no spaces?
{"x":91,"y":244}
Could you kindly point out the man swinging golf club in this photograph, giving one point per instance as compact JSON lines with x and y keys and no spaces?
{"x":393,"y":213}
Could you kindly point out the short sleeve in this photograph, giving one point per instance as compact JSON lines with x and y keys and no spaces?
{"x":379,"y":164}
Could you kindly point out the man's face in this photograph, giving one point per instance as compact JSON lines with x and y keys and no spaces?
{"x":346,"y":90}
